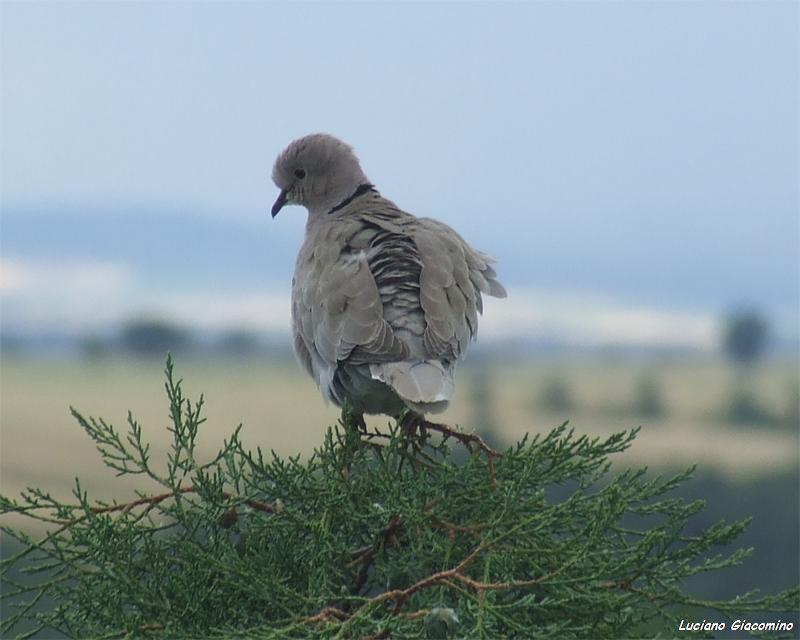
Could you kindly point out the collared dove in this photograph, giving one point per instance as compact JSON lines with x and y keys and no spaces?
{"x":384,"y":304}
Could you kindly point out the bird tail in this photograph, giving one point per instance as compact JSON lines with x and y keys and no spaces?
{"x":425,"y":386}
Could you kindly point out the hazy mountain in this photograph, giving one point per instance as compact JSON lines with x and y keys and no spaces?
{"x":200,"y":251}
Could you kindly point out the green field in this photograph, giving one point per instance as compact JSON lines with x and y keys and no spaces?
{"x":280,"y":409}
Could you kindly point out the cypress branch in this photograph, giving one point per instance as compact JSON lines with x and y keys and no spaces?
{"x":376,"y":535}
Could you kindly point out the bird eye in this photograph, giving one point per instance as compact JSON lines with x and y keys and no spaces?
{"x":300,"y":173}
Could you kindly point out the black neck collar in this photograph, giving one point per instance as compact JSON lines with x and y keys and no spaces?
{"x":360,"y":191}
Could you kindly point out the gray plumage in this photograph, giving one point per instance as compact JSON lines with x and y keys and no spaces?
{"x":384,"y":304}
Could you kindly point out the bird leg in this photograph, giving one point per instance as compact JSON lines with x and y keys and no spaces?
{"x":352,"y":419}
{"x":412,"y":423}
{"x":356,"y":421}
{"x":359,"y":422}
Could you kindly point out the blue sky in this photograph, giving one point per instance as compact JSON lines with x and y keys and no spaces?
{"x":641,"y":153}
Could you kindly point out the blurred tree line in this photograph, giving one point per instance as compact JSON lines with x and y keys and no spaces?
{"x":744,"y":341}
{"x":154,"y":337}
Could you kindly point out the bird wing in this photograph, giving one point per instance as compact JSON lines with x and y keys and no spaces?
{"x":352,"y":273}
{"x":337,"y":313}
{"x":453,"y":277}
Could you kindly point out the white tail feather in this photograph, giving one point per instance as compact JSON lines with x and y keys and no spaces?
{"x":424,"y":385}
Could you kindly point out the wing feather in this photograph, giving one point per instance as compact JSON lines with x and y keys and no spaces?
{"x":453,"y":277}
{"x":379,"y":287}
{"x":337,"y":310}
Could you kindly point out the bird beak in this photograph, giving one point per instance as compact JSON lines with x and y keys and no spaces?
{"x":279,"y":203}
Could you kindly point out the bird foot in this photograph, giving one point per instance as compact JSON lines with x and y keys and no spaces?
{"x":354,"y":420}
{"x":412,"y":424}
{"x":360,"y":423}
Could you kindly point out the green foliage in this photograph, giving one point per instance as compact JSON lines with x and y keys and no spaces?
{"x":375,"y":535}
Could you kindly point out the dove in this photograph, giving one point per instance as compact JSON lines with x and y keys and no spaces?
{"x":384,"y":303}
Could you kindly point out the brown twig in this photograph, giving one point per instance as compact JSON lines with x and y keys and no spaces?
{"x":448,"y":578}
{"x":152,"y":626}
{"x":386,"y":536}
{"x":328,"y":614}
{"x":364,"y":556}
{"x":153,"y":500}
{"x":627,"y":585}
{"x":428,"y":461}
{"x":412,"y":422}
{"x":453,"y":528}
{"x":415,"y":615}
{"x":401,"y":595}
{"x":468,"y":440}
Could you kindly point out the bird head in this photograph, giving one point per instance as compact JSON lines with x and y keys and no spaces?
{"x":317,"y":171}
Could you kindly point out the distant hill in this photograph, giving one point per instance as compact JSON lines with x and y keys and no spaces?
{"x":170,"y":247}
{"x":212,"y":251}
